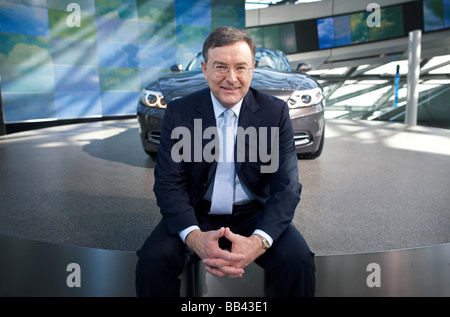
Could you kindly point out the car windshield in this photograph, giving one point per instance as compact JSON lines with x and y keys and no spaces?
{"x":265,"y":58}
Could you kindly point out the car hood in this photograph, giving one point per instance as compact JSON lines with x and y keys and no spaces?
{"x":281,"y":84}
{"x":177,"y":85}
{"x":275,"y":83}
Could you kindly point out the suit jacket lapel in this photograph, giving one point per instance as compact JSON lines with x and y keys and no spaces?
{"x":248,"y":118}
{"x":205,"y":112}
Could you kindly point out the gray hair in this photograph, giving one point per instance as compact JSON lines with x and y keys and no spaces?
{"x":227,"y":35}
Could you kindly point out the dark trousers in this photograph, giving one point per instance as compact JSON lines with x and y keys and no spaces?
{"x":288,"y":264}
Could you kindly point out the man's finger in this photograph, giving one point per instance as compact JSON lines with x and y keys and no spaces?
{"x":229,"y":256}
{"x":219,"y":233}
{"x":218,"y":262}
{"x":226,"y":271}
{"x":229,"y":234}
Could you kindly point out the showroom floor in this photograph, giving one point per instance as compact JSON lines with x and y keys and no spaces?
{"x":377,"y":186}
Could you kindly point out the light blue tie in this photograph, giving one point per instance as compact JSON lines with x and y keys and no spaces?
{"x":223,"y":191}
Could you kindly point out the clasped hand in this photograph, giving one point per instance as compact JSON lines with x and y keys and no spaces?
{"x":223,"y":263}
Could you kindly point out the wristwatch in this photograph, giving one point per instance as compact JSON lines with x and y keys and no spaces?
{"x":265,"y":243}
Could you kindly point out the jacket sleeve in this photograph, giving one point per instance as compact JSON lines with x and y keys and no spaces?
{"x":170,"y":182}
{"x":284,"y":186}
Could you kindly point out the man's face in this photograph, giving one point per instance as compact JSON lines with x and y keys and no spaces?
{"x":229,"y":87}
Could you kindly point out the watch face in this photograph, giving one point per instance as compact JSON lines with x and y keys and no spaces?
{"x":265,"y":243}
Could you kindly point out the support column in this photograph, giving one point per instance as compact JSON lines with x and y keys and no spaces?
{"x":414,"y":48}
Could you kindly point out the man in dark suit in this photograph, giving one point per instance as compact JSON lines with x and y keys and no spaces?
{"x":230,"y":204}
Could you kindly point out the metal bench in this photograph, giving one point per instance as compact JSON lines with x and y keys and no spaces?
{"x":33,"y":268}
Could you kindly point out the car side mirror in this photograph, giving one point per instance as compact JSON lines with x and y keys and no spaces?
{"x":176,"y":68}
{"x":303,"y":67}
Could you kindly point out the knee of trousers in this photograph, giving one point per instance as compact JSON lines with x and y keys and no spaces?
{"x":303,"y":261}
{"x":157,"y":257}
{"x":293,"y":254}
{"x":297,"y":258}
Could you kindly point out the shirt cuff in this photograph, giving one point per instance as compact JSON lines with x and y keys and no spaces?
{"x":265,"y":235}
{"x":183,"y":234}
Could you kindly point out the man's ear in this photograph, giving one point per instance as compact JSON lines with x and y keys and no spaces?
{"x":204,"y":69}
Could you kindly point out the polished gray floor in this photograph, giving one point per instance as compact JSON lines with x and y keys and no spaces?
{"x":377,"y":186}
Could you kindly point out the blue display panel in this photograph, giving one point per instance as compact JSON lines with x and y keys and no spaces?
{"x":51,"y":69}
{"x":22,"y":19}
{"x":325,"y":31}
{"x":436,"y":14}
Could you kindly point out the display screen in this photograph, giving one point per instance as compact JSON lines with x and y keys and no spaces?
{"x":341,"y":30}
{"x":52,"y":69}
{"x":436,"y":14}
{"x":279,"y":37}
{"x":354,"y":28}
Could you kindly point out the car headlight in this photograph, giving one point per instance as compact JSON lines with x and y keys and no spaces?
{"x":153,"y":99}
{"x":305,"y":98}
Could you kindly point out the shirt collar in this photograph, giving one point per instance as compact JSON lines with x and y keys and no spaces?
{"x":218,"y":108}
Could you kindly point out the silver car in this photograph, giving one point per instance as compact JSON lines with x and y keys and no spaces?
{"x":273,"y":75}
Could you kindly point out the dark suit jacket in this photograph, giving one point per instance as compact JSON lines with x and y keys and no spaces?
{"x":180,"y":186}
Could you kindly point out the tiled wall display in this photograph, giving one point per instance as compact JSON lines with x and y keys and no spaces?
{"x":64,"y":59}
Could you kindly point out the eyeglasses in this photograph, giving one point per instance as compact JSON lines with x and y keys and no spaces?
{"x":224,"y":70}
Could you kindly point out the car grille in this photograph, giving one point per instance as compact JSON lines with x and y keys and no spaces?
{"x":154,"y":136}
{"x":301,"y":138}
